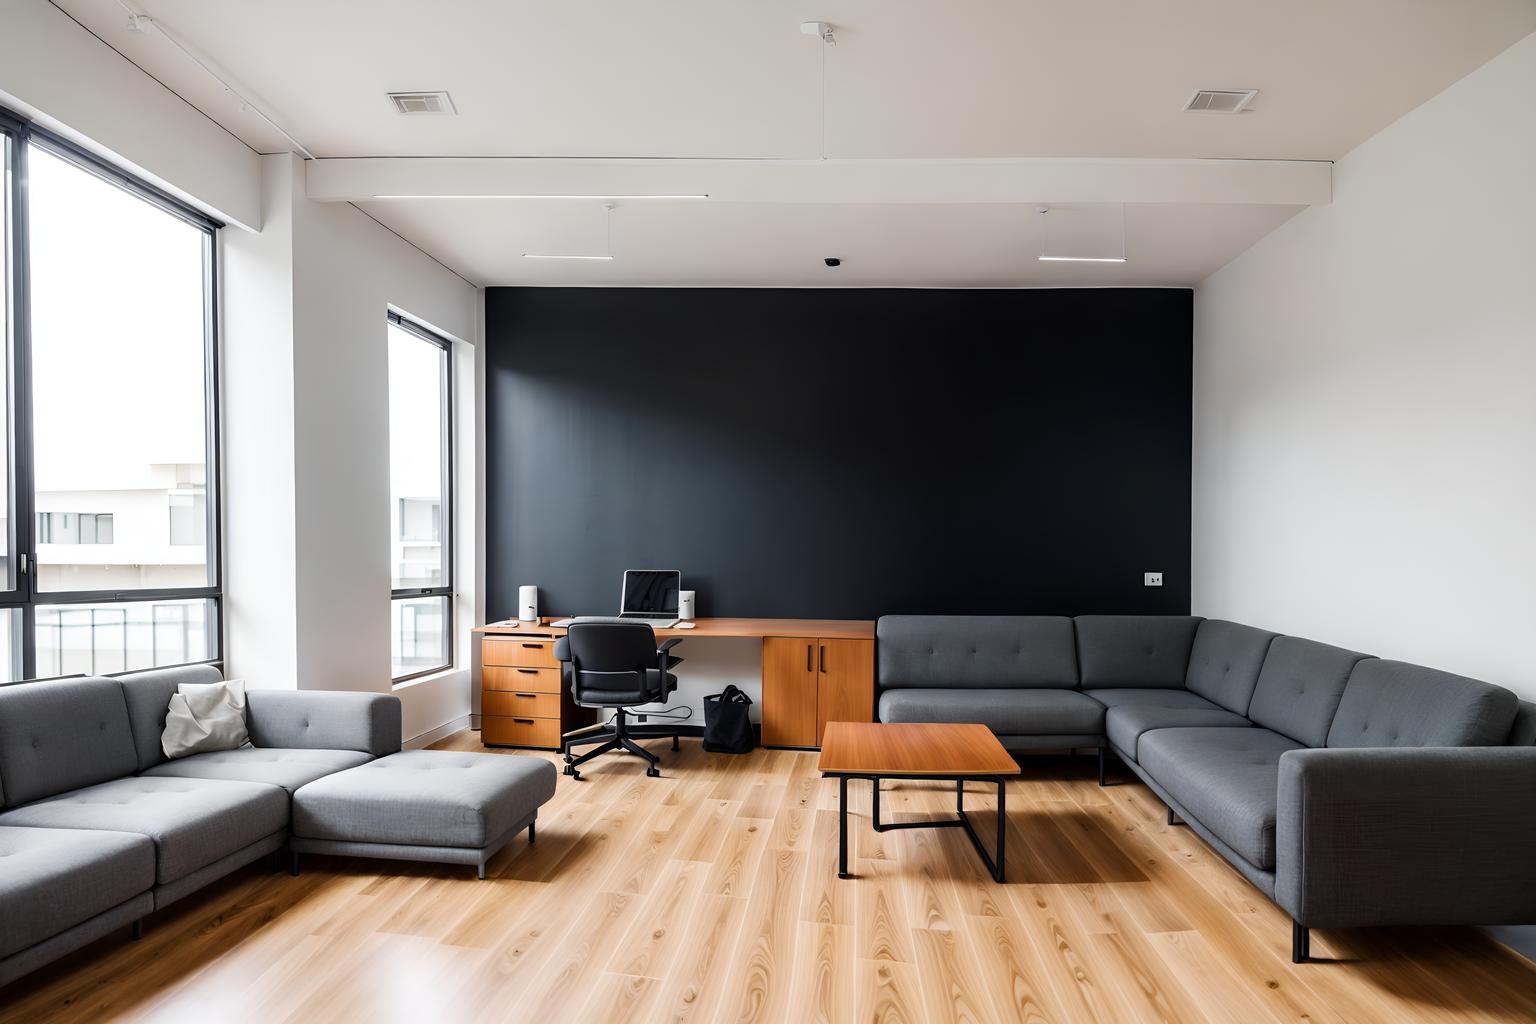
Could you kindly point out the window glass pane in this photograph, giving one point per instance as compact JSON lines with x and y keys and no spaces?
{"x":120,"y":411}
{"x":419,"y":632}
{"x":416,"y":373}
{"x":96,"y":638}
{"x":10,"y":644}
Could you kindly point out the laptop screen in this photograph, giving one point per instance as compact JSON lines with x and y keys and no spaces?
{"x":651,"y":591}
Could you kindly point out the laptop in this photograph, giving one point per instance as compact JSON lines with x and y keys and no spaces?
{"x":649,"y":596}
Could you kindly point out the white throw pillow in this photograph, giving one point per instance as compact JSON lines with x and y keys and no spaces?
{"x":204,"y":717}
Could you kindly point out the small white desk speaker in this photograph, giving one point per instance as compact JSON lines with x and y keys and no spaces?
{"x":527,"y":603}
{"x":685,"y":604}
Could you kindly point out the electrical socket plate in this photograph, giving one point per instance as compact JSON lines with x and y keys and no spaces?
{"x":1151,"y":579}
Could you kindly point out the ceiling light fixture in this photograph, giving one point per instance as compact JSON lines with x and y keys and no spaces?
{"x":532,"y":195}
{"x":1082,"y":259}
{"x":608,"y":229}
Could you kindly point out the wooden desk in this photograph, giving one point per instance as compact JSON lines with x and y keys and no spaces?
{"x":815,"y":671}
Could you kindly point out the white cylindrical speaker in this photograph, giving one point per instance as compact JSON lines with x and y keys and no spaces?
{"x":527,"y":603}
{"x":685,"y":604}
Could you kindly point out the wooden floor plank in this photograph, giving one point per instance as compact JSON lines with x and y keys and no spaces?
{"x":711,"y":894}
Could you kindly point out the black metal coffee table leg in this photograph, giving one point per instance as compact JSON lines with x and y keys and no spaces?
{"x":960,"y":820}
{"x":842,"y":827}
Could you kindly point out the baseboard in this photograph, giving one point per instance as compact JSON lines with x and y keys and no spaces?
{"x":431,"y":736}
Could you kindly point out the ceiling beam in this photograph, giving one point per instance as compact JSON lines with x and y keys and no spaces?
{"x":1045,"y":181}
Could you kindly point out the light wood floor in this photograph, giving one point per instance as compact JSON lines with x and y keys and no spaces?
{"x":711,"y":895}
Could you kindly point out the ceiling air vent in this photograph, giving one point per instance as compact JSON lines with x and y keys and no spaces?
{"x":1220,"y":101}
{"x":422,"y":103}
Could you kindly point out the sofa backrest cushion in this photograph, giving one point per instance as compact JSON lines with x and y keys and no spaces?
{"x":1523,"y":734}
{"x":148,"y":696}
{"x":1225,"y":661}
{"x":61,"y":734}
{"x":1135,"y":650}
{"x":1395,"y":704}
{"x":1300,"y":686}
{"x":986,"y":651}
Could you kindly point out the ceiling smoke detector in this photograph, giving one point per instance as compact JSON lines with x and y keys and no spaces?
{"x":1220,"y":101}
{"x":422,"y":103}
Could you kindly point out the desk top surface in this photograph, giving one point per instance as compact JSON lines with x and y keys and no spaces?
{"x":913,"y":748}
{"x":819,"y":629}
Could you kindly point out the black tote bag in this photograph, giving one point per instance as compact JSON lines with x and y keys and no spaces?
{"x":728,"y":723}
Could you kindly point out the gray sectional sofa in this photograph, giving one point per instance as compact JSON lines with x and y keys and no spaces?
{"x":98,"y":828}
{"x":1351,"y":790}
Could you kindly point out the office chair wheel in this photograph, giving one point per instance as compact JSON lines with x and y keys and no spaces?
{"x":653,"y":772}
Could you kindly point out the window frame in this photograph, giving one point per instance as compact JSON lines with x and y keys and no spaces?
{"x":446,"y":540}
{"x":23,"y":592}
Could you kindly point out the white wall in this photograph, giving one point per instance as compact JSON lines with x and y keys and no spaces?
{"x":1365,"y":398}
{"x":55,"y":71}
{"x":348,"y":272}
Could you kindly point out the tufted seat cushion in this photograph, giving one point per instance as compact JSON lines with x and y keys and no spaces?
{"x":1133,"y":712}
{"x":193,"y":822}
{"x":1020,"y":712}
{"x":425,"y":798}
{"x":54,"y":879}
{"x":289,"y":769}
{"x":1226,"y":779}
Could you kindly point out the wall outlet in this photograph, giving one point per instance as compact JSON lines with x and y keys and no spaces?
{"x":1151,"y":579}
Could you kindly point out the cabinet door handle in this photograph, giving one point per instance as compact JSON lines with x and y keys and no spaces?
{"x":823,"y":657}
{"x":810,"y":666}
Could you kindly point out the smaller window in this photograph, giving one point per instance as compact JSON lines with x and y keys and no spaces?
{"x":189,"y":518}
{"x":74,"y":527}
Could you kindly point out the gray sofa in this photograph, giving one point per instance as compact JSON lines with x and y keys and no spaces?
{"x":98,"y":828}
{"x":1351,"y":790}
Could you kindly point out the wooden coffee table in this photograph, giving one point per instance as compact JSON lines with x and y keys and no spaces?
{"x":911,"y":750}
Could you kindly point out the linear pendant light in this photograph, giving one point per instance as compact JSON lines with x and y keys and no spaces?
{"x":530,"y":195}
{"x":608,"y":229}
{"x":1044,"y":241}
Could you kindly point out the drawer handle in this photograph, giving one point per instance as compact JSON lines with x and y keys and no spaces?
{"x":523,"y":721}
{"x":529,"y":671}
{"x":530,"y":696}
{"x":533,"y":646}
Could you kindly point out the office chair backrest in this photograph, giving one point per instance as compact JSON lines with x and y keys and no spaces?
{"x":611,"y":657}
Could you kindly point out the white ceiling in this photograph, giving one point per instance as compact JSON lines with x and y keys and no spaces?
{"x":915,"y":79}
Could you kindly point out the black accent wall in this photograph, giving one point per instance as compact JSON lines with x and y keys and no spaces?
{"x":840,"y":453}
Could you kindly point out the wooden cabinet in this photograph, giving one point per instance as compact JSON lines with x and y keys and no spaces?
{"x":523,"y":702}
{"x":810,"y":681}
{"x":845,"y":690}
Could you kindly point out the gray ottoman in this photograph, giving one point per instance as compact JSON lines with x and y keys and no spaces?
{"x":432,"y":805}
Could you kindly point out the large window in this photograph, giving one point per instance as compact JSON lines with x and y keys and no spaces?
{"x":420,"y":499}
{"x":108,"y":549}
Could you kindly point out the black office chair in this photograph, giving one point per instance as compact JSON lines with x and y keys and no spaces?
{"x":616,"y":665}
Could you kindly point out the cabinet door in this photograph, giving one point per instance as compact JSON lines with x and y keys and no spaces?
{"x":845,"y":675}
{"x":789,"y":692}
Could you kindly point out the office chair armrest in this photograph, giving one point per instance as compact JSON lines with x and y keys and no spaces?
{"x":667,"y":645}
{"x":665,"y":661}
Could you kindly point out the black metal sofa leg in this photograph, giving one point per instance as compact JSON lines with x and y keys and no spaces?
{"x":1102,"y":756}
{"x":1301,"y":943}
{"x":138,"y":930}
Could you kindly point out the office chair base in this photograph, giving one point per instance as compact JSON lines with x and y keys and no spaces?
{"x":618,"y":735}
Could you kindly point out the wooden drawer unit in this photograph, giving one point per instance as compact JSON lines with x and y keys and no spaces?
{"x":504,"y":730}
{"x":519,"y":652}
{"x":508,"y":677}
{"x":520,"y":704}
{"x":523,"y":702}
